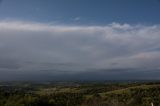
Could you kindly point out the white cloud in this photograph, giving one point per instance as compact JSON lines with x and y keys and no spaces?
{"x":76,"y":19}
{"x":28,"y":47}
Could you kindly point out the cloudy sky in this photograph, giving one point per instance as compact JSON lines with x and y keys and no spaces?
{"x":79,"y":39}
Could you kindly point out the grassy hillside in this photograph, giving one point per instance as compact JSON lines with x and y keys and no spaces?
{"x":141,"y":95}
{"x":80,"y":94}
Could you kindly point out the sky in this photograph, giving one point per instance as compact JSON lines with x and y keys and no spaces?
{"x":79,"y":40}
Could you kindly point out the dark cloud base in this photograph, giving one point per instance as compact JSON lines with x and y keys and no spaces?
{"x":100,"y":75}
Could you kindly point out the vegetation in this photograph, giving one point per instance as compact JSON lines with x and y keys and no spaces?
{"x":79,"y":94}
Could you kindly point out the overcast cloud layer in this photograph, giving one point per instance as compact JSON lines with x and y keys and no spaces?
{"x":42,"y":51}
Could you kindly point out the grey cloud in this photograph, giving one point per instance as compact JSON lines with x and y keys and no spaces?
{"x":36,"y":49}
